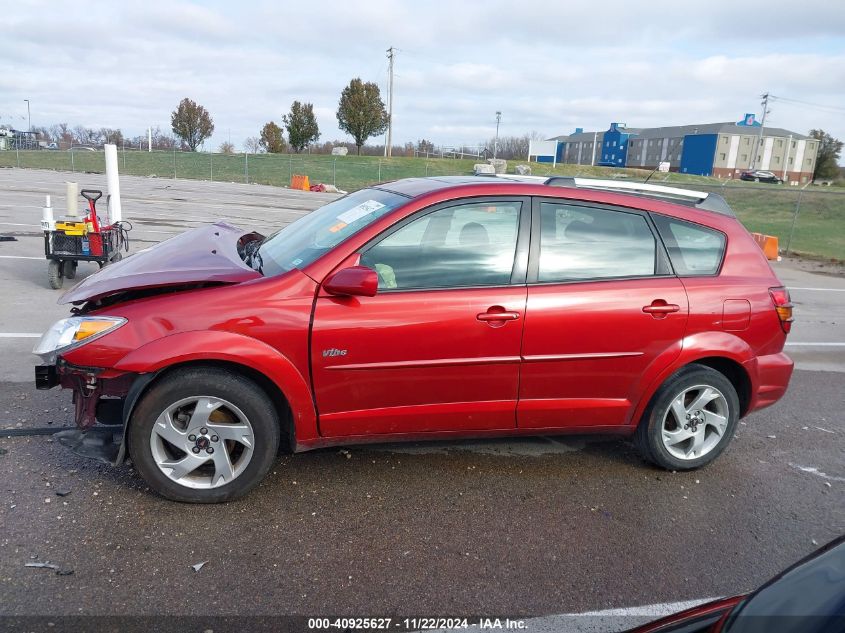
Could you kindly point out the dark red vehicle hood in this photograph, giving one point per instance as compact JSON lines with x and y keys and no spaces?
{"x":205,"y":254}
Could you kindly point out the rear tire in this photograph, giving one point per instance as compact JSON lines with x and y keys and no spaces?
{"x":54,"y":274}
{"x":235,"y":429}
{"x":690,"y":420}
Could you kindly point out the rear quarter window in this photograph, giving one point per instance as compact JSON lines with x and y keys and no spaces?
{"x":693,"y":249}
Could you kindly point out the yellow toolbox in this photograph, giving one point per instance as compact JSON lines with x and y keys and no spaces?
{"x":71,"y":228}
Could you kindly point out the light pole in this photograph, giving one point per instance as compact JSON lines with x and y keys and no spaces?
{"x":496,"y":142}
{"x":28,"y":118}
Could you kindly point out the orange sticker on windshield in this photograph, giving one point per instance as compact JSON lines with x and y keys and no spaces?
{"x":337,"y":227}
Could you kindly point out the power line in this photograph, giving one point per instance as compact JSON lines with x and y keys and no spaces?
{"x":807,"y":103}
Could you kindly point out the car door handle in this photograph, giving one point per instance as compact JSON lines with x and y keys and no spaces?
{"x":497,"y":316}
{"x":659,"y":306}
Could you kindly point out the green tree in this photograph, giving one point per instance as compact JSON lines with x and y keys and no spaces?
{"x":301,"y":125}
{"x":192,"y":123}
{"x":827,"y":159}
{"x":271,"y":139}
{"x":361,"y":111}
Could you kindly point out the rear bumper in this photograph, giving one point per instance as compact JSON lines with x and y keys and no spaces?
{"x":773,"y":373}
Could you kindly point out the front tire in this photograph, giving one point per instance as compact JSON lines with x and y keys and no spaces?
{"x":204,"y":435}
{"x":690,"y":420}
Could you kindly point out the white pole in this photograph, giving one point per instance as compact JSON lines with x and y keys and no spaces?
{"x":113,"y":184}
{"x":72,"y":199}
{"x":595,"y":139}
{"x":389,"y":148}
{"x":48,"y":223}
{"x":149,"y":139}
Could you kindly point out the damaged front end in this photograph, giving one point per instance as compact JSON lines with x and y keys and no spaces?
{"x":103,"y":401}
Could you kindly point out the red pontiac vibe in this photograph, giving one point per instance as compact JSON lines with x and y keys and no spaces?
{"x":426,"y":308}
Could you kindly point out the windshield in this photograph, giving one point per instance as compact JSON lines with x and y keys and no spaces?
{"x":303,"y":241}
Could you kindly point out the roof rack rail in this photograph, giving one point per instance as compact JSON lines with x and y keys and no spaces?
{"x":699,"y":199}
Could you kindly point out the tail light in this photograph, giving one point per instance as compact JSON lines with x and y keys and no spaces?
{"x":783,"y":306}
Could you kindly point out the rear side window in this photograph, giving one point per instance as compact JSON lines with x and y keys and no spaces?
{"x":693,"y":249}
{"x":581,"y":243}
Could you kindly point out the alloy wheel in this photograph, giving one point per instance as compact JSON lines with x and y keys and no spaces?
{"x":695,"y":422}
{"x":202,"y":442}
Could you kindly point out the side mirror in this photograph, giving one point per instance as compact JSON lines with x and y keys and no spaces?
{"x":355,"y":281}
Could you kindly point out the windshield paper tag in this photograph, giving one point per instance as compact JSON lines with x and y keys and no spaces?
{"x":356,"y":213}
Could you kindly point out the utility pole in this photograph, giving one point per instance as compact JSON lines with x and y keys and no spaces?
{"x":388,"y":150}
{"x":496,"y":142}
{"x":765,"y":104}
{"x":28,"y":118}
{"x":786,"y":157}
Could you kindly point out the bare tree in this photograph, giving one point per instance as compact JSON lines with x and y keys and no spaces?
{"x":226,"y":148}
{"x":252,"y":145}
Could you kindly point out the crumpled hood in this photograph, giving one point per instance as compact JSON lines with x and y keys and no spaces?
{"x":205,"y":254}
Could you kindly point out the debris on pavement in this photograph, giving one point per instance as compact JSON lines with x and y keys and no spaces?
{"x":199,"y":566}
{"x":62,"y":493}
{"x":48,"y":565}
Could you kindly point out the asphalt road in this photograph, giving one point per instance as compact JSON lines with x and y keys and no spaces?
{"x":530,"y":527}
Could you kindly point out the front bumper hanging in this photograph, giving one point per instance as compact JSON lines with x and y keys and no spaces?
{"x":103,"y":402}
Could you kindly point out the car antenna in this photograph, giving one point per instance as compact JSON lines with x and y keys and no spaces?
{"x":651,"y":174}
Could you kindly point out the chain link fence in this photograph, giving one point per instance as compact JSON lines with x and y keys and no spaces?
{"x":344,"y":172}
{"x":807,"y":221}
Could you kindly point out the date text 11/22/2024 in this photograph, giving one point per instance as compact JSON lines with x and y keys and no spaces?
{"x":415,"y":624}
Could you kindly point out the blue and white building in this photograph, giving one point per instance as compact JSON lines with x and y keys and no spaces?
{"x":723,"y":150}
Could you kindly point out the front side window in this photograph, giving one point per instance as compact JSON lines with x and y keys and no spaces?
{"x":459,"y":246}
{"x":693,"y":249}
{"x":579,"y":243}
{"x":303,"y":241}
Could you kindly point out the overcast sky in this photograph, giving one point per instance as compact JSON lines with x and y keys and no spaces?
{"x":548,"y":66}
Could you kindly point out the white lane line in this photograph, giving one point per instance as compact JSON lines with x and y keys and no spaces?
{"x":19,"y":257}
{"x":19,"y":335}
{"x":663,"y":608}
{"x":815,"y":471}
{"x":820,"y":289}
{"x":607,"y":620}
{"x":803,"y":344}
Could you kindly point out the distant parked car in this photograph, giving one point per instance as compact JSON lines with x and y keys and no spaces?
{"x":51,"y":146}
{"x":758,"y":175}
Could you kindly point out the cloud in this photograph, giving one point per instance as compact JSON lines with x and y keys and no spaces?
{"x":546,"y":66}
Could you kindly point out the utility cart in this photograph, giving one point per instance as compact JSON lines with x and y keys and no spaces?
{"x":73,"y":240}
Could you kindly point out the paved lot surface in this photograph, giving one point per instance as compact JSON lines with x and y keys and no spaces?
{"x":529,"y":527}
